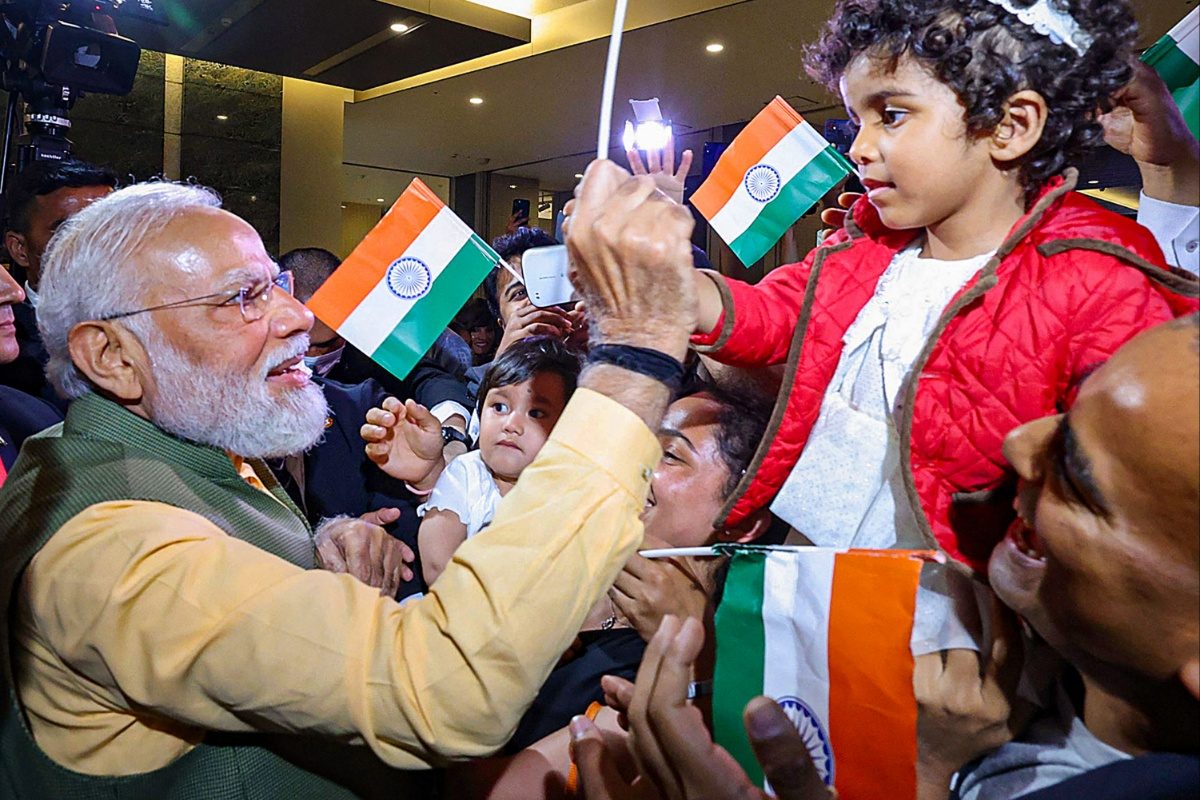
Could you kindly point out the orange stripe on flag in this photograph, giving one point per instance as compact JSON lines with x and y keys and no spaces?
{"x":872,"y":708}
{"x":771,"y":124}
{"x":366,"y":266}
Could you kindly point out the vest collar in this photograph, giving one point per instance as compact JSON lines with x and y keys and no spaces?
{"x":96,"y":417}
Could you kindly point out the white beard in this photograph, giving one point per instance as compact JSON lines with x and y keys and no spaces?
{"x":235,"y":411}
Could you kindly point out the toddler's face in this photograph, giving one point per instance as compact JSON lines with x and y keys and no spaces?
{"x":517,"y":419}
{"x":912,"y":150}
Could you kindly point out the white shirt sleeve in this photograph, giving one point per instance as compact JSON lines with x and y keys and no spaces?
{"x":447,"y":409}
{"x":452,"y":492}
{"x":1177,"y":229}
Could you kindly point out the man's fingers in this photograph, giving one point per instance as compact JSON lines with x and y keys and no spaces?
{"x":598,"y":775}
{"x":783,"y":755}
{"x":618,"y":692}
{"x":331,"y":556}
{"x":420,"y":416}
{"x":381,"y":516}
{"x":393,"y":405}
{"x":654,"y":161}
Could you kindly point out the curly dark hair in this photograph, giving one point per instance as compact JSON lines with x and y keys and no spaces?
{"x":507,"y":246}
{"x":985,"y":55}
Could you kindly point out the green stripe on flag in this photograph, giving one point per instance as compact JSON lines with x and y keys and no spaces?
{"x":809,"y":185}
{"x":430,"y":315}
{"x":1182,"y":76}
{"x":741,"y":656}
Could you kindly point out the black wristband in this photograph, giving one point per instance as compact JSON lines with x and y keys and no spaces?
{"x":454,"y":435}
{"x":642,"y":360}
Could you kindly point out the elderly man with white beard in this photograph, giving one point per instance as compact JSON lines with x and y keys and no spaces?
{"x":164,"y":632}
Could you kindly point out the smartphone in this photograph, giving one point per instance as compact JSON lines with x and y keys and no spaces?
{"x":546,"y":280}
{"x":520,"y":208}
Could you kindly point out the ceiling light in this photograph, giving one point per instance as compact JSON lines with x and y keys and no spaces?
{"x":578,"y":174}
{"x":1092,"y":183}
{"x":379,"y":200}
{"x":399,"y":27}
{"x":714,"y":47}
{"x":512,"y":186}
{"x":476,"y":101}
{"x":222,"y":117}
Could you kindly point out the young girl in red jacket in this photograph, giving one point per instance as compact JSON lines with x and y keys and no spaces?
{"x":970,"y":290}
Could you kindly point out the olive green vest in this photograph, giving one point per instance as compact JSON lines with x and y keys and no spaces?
{"x":103,"y":453}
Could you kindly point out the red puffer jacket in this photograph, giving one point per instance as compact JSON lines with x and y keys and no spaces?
{"x":1069,"y":285}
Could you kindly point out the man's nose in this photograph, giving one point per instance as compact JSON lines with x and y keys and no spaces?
{"x":1025,"y":446}
{"x":288,"y":315}
{"x":11,"y":292}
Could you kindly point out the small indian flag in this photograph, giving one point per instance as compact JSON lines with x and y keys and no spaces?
{"x":1176,"y":57}
{"x":405,"y":281}
{"x":826,"y":634}
{"x":776,"y":169}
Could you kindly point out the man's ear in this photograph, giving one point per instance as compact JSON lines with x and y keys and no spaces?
{"x":15,"y":244}
{"x":749,"y":529}
{"x":111,"y":357}
{"x":1190,"y":675}
{"x":1021,"y":128}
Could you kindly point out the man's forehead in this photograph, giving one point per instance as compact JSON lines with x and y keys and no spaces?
{"x":505,"y":279}
{"x":209,"y":245}
{"x":68,"y":200}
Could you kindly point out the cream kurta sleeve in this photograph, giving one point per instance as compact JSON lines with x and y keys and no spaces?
{"x":149,"y":607}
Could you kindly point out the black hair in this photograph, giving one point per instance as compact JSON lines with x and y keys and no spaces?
{"x":985,"y":54}
{"x":528,"y":357}
{"x":741,"y":422}
{"x":474,"y":314}
{"x":507,"y":246}
{"x":310,"y":267}
{"x":45,"y":177}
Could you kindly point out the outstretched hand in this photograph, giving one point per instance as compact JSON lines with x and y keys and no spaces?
{"x":660,"y":165}
{"x":405,"y":441}
{"x":676,"y":757}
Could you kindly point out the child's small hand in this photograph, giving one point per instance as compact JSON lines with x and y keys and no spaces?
{"x":405,"y":441}
{"x":834,"y":218}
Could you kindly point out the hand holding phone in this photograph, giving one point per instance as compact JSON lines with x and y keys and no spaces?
{"x":546,"y":279}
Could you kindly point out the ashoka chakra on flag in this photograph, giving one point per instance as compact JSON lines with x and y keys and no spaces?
{"x":408,"y":278}
{"x":762,"y":183}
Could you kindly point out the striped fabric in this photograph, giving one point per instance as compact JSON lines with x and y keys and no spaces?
{"x":826,"y":633}
{"x":1176,"y":57}
{"x":405,"y":281}
{"x":776,"y":169}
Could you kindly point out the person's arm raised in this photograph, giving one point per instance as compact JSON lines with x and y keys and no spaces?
{"x":631,"y":262}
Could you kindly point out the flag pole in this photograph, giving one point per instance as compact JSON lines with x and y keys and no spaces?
{"x":610,"y":79}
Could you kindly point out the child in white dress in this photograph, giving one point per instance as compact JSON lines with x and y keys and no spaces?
{"x":522,"y":395}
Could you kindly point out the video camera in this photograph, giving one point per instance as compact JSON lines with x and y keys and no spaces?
{"x":55,"y":51}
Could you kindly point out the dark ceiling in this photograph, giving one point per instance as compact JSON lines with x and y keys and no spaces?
{"x":341,"y":42}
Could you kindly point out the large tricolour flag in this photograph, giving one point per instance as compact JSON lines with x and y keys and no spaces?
{"x":826,"y":633}
{"x":1176,"y":57}
{"x":776,"y":169}
{"x":395,"y":294}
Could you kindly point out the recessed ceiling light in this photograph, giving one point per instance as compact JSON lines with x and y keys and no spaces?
{"x":1092,"y":183}
{"x":512,"y":186}
{"x":379,"y":200}
{"x":399,"y":27}
{"x":476,"y":101}
{"x":578,"y":174}
{"x":222,"y":117}
{"x":714,"y":47}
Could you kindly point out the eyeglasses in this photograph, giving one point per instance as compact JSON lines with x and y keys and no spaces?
{"x":252,"y":300}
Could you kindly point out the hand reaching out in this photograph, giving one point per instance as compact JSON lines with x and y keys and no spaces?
{"x":661,"y":166}
{"x":676,"y":757}
{"x":405,"y":441}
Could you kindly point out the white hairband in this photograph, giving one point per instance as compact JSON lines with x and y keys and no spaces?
{"x":1059,"y":26}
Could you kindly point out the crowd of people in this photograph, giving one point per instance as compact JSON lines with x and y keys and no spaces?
{"x":240,"y":559}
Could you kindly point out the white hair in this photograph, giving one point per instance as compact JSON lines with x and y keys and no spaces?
{"x":87,"y":270}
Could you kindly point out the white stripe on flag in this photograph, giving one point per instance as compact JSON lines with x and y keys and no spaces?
{"x":797,"y":589}
{"x":1185,"y":35}
{"x":381,"y":310}
{"x":788,"y":157}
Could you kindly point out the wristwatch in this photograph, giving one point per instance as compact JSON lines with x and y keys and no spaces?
{"x":454,"y":435}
